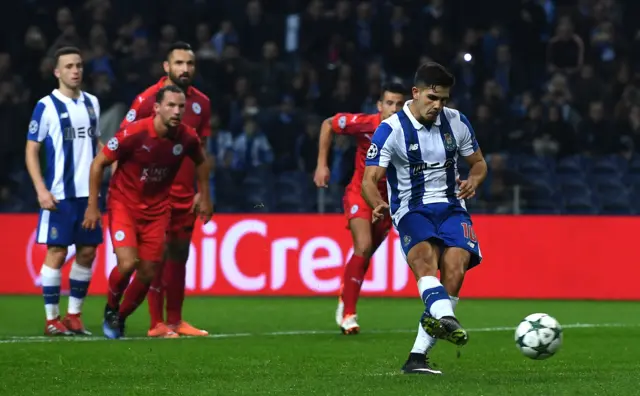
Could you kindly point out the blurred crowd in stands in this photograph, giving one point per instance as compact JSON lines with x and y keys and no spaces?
{"x":552,"y":88}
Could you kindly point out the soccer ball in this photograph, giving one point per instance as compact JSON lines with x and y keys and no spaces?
{"x":538,"y":336}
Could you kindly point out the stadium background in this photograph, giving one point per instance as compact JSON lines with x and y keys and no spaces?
{"x":551,"y":88}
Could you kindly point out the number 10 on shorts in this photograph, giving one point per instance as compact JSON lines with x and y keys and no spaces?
{"x":469,"y":233}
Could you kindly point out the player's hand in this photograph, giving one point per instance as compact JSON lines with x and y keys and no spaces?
{"x":467,"y":188}
{"x":46,"y":200}
{"x":205,"y":211}
{"x":379,"y":212}
{"x":196,"y":203}
{"x":321,"y":176}
{"x":92,"y":218}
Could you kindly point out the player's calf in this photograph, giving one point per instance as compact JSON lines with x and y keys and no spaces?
{"x":50,"y":276}
{"x":440,"y":321}
{"x":453,"y":265}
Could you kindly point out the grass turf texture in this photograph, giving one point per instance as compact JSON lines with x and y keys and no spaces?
{"x":258,"y":352}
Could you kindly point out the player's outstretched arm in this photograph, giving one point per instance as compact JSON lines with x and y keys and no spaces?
{"x":370,"y":192}
{"x":322,"y":173}
{"x":96,"y":173}
{"x":477,"y":174}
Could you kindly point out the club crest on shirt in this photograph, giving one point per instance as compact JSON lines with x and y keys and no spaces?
{"x":342,"y":122}
{"x":449,"y":142}
{"x":113,"y":144}
{"x":92,"y":113}
{"x":33,"y":126}
{"x":177,"y":149}
{"x":131,"y":115}
{"x":196,"y":108}
{"x":119,"y":236}
{"x":373,"y":151}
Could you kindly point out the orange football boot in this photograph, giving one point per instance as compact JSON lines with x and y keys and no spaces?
{"x":185,"y":329}
{"x":161,"y":330}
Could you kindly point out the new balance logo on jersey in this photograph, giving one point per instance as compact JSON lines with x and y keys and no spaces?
{"x":413,"y":147}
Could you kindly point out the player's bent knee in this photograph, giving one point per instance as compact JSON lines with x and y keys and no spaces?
{"x":56,"y":256}
{"x":423,"y":259}
{"x":362,"y":238}
{"x":363,"y":247}
{"x":85,"y":256}
{"x":147,"y":270}
{"x":177,"y":250}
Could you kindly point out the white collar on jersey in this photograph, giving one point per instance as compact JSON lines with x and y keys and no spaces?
{"x":416,"y":123}
{"x":65,"y":99}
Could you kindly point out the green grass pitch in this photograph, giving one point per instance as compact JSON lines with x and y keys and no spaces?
{"x":290,"y":346}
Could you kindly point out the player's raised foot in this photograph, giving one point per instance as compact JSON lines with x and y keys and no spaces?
{"x":161,"y":330}
{"x":55,"y":327}
{"x":418,"y":363}
{"x":339,"y":312}
{"x":185,"y":329}
{"x":112,"y":327}
{"x":446,"y":328}
{"x":350,"y":325}
{"x":73,"y":322}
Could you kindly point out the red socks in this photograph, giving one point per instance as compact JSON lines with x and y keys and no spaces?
{"x":133,"y":297}
{"x":174,"y":280}
{"x":117,"y":285}
{"x":155,"y":299}
{"x":353,"y":277}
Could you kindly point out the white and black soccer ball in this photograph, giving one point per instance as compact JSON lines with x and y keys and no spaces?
{"x":539,"y":336}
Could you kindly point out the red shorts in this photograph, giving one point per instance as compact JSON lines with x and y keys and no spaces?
{"x":181,"y":224}
{"x":355,"y":207}
{"x":147,"y":235}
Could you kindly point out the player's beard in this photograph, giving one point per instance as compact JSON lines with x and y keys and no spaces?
{"x":183,"y":84}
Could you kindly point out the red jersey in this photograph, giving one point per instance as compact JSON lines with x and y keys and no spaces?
{"x":148,"y":164}
{"x":197,"y":115}
{"x":362,"y":126}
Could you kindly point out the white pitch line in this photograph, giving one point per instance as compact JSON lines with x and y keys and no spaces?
{"x":43,"y":339}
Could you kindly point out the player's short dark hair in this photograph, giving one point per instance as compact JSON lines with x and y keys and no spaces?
{"x":178,"y":45}
{"x":165,"y":89}
{"x":65,"y":51}
{"x":432,"y":74}
{"x":393,"y":87}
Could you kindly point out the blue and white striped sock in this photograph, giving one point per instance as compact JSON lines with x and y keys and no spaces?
{"x":79,"y":279}
{"x":435,"y":297}
{"x":51,"y":291}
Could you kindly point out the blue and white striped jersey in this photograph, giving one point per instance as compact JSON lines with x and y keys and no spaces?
{"x":69,"y":130}
{"x":421,"y":162}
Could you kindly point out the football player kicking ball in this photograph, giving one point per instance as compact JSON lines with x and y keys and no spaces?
{"x":418,"y":149}
{"x":169,"y":283}
{"x":366,"y":237}
{"x":149,"y":154}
